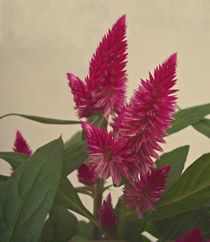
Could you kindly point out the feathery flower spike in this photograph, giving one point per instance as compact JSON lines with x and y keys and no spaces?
{"x":146,"y":190}
{"x":104,"y":87}
{"x":106,"y":214}
{"x":109,"y":154}
{"x":193,"y":235}
{"x":86,"y":174}
{"x":21,"y":145}
{"x":144,"y":120}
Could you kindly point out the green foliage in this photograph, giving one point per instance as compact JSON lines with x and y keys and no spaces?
{"x":189,"y":193}
{"x":176,"y":160}
{"x":76,"y":138}
{"x":203,"y":126}
{"x":68,"y":197}
{"x":188,"y":116}
{"x":74,"y":156}
{"x":28,"y":195}
{"x":3,"y":179}
{"x":13,"y":158}
{"x":61,"y":226}
{"x":39,"y":119}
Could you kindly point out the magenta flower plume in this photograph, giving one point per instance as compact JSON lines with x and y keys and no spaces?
{"x":109,"y":154}
{"x":145,"y":119}
{"x":104,"y":87}
{"x":21,"y":145}
{"x":106,"y":214}
{"x":146,"y":190}
{"x":86,"y":174}
{"x":193,"y":235}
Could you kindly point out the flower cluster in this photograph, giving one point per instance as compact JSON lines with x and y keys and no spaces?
{"x":129,"y":150}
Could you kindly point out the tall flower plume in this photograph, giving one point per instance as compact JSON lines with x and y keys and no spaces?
{"x":104,"y":87}
{"x":144,"y":120}
{"x":109,"y":154}
{"x":106,"y":214}
{"x":21,"y":145}
{"x":146,"y":190}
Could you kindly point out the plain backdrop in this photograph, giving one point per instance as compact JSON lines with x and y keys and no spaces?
{"x":42,"y":40}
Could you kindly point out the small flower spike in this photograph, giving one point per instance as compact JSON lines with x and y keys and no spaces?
{"x":193,"y":235}
{"x":146,"y":190}
{"x":104,"y":88}
{"x":144,"y":120}
{"x":109,"y":154}
{"x":21,"y":145}
{"x":106,"y":214}
{"x":86,"y":174}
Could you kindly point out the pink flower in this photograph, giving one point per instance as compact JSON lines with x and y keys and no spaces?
{"x":109,"y":154}
{"x":146,"y":190}
{"x":21,"y":145}
{"x":104,"y":87}
{"x":106,"y":214}
{"x":144,"y":120}
{"x":193,"y":235}
{"x":86,"y":174}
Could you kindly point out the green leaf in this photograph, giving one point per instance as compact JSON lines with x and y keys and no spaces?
{"x":79,"y":238}
{"x":188,"y":116}
{"x":13,"y":158}
{"x":190,"y":192}
{"x":61,"y":226}
{"x":85,"y":229}
{"x":43,"y":120}
{"x":28,"y":195}
{"x":76,"y":138}
{"x":176,"y":160}
{"x":74,"y":156}
{"x":3,"y":179}
{"x":133,"y":229}
{"x":174,"y":227}
{"x":68,"y":197}
{"x":203,"y":126}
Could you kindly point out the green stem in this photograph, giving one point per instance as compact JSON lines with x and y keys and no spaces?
{"x":97,"y":200}
{"x":121,"y":222}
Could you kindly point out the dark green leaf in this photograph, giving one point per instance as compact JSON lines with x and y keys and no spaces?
{"x":76,"y":138}
{"x":203,"y":126}
{"x":79,"y":238}
{"x":85,"y":229}
{"x":191,"y":191}
{"x":174,"y":227}
{"x":68,"y":197}
{"x":61,"y":226}
{"x":176,"y":160}
{"x":133,"y":229}
{"x":13,"y":158}
{"x":74,"y":156}
{"x":3,"y":179}
{"x":28,"y":195}
{"x":188,"y":116}
{"x":43,"y":120}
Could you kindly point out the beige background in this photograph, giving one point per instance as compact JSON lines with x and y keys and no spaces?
{"x":43,"y":39}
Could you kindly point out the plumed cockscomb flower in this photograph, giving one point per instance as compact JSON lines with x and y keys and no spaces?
{"x":21,"y":145}
{"x":193,"y":235}
{"x":104,"y":87}
{"x":109,"y":154}
{"x":145,"y":119}
{"x":106,"y":214}
{"x":146,"y":190}
{"x":86,"y":174}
